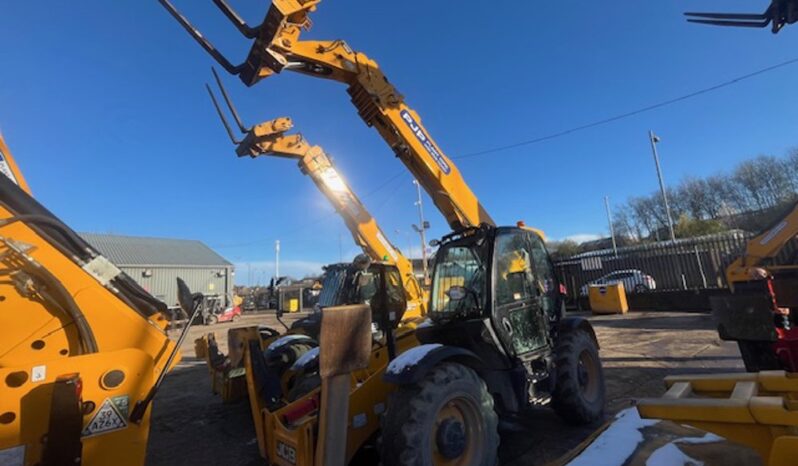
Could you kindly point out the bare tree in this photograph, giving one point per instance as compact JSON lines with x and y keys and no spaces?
{"x":694,"y":197}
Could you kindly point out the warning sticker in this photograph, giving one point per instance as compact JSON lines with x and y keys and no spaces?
{"x":111,"y":416}
{"x":5,"y":169}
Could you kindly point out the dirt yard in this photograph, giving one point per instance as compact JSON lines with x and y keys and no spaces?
{"x":191,"y":426}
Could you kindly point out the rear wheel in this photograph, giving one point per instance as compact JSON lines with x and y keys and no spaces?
{"x":579,"y":394}
{"x":446,"y":419}
{"x":212,"y":320}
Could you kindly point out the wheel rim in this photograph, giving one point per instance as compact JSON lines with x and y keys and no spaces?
{"x":457,"y":437}
{"x":588,"y":376}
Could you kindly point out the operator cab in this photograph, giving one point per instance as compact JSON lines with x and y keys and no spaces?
{"x":359,"y":282}
{"x":499,"y":282}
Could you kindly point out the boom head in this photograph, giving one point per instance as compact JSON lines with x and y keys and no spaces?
{"x":284,"y":21}
{"x":779,"y":13}
{"x":267,"y":138}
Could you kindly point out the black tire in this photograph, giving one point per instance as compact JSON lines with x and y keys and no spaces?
{"x":303,"y":385}
{"x":452,"y":390}
{"x":286,"y":356}
{"x":578,"y":397}
{"x":758,"y":356}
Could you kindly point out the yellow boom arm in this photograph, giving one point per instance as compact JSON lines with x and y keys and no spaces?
{"x":270,"y":138}
{"x":764,"y":246}
{"x":9,"y":168}
{"x":277,"y":47}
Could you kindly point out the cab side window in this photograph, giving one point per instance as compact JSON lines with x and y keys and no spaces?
{"x":546,"y":282}
{"x":514,"y":273}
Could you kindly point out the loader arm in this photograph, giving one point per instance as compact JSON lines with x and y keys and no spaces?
{"x":9,"y":168}
{"x":762,"y":247}
{"x":277,"y":47}
{"x":270,"y":139}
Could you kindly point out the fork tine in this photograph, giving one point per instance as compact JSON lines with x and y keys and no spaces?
{"x":204,"y":43}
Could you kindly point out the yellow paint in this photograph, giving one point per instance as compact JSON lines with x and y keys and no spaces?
{"x":39,"y":335}
{"x":608,"y":299}
{"x":755,"y":409}
{"x":17,"y":173}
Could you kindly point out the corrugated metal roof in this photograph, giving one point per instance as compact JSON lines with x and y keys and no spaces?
{"x":138,"y":250}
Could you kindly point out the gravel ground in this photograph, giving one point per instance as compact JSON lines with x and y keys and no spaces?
{"x":191,"y":426}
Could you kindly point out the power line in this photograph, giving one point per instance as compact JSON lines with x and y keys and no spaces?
{"x":629,"y":114}
{"x":548,"y":137}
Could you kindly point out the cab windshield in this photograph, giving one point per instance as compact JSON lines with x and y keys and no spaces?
{"x":458,"y":266}
{"x":333,"y":287}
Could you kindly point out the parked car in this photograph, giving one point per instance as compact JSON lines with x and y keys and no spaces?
{"x":634,"y":281}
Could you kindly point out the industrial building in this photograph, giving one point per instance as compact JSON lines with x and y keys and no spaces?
{"x":155,"y":263}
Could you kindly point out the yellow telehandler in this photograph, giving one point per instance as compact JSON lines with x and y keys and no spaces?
{"x":497,"y":339}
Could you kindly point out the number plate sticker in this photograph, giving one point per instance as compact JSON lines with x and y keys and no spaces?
{"x":110,"y":417}
{"x":286,"y":452}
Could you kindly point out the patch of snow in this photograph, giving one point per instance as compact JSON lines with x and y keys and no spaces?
{"x":671,"y":455}
{"x":707,"y":438}
{"x":410,"y":358}
{"x":617,"y":443}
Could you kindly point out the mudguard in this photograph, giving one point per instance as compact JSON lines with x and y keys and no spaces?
{"x":410,"y":366}
{"x":308,"y":362}
{"x":571,"y":323}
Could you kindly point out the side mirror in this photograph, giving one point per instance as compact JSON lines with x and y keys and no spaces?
{"x":456,"y":293}
{"x":184,"y":297}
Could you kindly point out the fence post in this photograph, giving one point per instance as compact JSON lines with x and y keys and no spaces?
{"x":700,"y":267}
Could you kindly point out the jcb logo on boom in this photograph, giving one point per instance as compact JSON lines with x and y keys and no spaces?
{"x":426,"y":142}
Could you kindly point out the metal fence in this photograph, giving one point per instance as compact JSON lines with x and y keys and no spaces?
{"x":694,"y":263}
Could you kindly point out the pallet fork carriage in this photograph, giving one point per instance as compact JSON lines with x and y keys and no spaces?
{"x":497,"y":340}
{"x":758,"y":410}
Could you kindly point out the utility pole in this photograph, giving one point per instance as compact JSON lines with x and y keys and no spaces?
{"x":654,"y":140}
{"x":421,"y":228}
{"x":276,"y":260}
{"x":609,"y":222}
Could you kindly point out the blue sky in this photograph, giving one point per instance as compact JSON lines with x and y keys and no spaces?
{"x":103,"y":105}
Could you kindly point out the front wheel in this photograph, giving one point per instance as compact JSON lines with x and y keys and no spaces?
{"x":579,"y":394}
{"x":445,"y":419}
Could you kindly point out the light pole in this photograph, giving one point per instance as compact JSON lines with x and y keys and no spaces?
{"x":609,"y":222}
{"x":277,"y":260}
{"x":421,"y":229}
{"x":654,"y":140}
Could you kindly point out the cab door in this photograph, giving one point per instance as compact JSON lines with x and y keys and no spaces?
{"x":518,"y":317}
